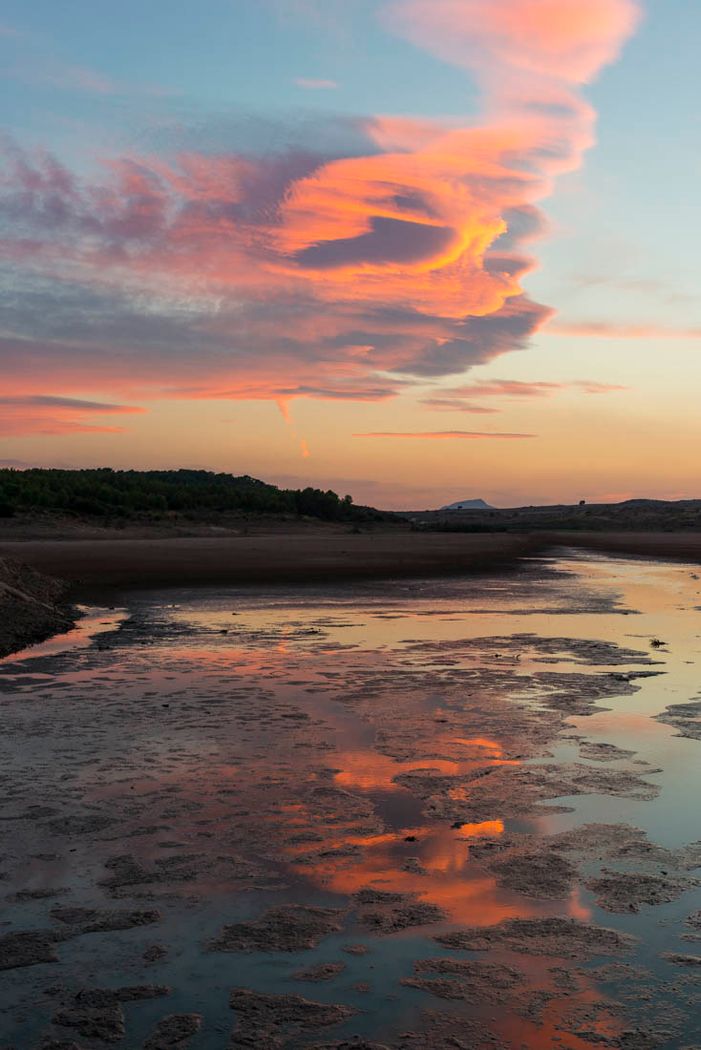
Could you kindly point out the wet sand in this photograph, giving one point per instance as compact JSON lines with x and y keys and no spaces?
{"x":409,"y":815}
{"x":278,"y":557}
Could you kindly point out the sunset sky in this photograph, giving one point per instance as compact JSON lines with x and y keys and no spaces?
{"x":414,"y":250}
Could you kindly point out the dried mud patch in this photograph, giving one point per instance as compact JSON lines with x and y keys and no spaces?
{"x":627,"y":891}
{"x":386,"y":912}
{"x":599,"y":752}
{"x":289,"y":928}
{"x":268,"y":1022}
{"x":685,"y":718}
{"x":536,"y":874}
{"x":127,"y":873}
{"x":537,"y":867}
{"x":438,"y":1031}
{"x":498,"y":792}
{"x":562,"y":938}
{"x":27,"y":948}
{"x":174,"y":1032}
{"x":97,"y":1013}
{"x":323,"y":972}
{"x":626,"y":844}
{"x":591,"y":653}
{"x":681,"y":959}
{"x":100,"y":920}
{"x":464,"y":979}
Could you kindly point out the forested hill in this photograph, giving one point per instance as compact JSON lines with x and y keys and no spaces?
{"x":110,"y":494}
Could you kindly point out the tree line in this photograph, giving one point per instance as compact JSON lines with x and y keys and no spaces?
{"x":107,"y":493}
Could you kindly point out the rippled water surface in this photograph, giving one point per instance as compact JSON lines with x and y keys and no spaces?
{"x":417,"y":759}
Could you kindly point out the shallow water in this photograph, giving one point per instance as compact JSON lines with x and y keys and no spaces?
{"x":251,"y":749}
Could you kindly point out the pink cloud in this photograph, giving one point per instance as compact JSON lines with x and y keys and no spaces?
{"x":315,"y":84}
{"x":508,"y":388}
{"x":43,"y":414}
{"x":460,"y":399}
{"x":455,"y":404}
{"x":564,"y":40}
{"x":305,"y":274}
{"x":610,"y":330}
{"x":590,"y":386}
{"x":440,"y":435}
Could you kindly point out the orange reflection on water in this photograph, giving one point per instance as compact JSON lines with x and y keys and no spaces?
{"x":366,"y":770}
{"x":371,"y":771}
{"x":485,"y":827}
{"x":435,"y":868}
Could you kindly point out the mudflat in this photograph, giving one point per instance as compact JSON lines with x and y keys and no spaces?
{"x":280,"y":553}
{"x":276,"y":557}
{"x":676,"y":546}
{"x":460,"y":812}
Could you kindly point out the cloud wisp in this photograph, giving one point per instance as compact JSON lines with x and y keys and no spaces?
{"x":45,"y":414}
{"x":446,"y":435}
{"x":303,"y":274}
{"x":466,"y":398}
{"x":611,"y":330}
{"x":315,"y":84}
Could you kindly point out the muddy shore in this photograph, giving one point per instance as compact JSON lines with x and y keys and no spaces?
{"x":671,"y":546}
{"x":288,"y":558}
{"x":310,"y":555}
{"x":152,"y":557}
{"x":41,"y":573}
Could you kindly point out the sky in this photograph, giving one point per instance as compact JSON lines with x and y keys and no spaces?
{"x":412,"y":250}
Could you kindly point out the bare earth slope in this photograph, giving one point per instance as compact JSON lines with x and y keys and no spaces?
{"x":32,"y":606}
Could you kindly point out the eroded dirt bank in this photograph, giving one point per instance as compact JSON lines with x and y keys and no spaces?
{"x":32,"y":606}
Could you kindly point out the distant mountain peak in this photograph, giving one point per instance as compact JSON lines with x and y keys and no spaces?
{"x":468,"y":504}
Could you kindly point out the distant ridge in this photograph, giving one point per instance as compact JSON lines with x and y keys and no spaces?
{"x":468,"y":504}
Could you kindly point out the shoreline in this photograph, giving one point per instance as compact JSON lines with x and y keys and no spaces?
{"x":60,"y":570}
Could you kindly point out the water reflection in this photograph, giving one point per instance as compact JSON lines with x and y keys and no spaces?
{"x":249,"y":752}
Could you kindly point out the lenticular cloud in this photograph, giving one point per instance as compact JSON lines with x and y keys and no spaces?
{"x":303,"y":274}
